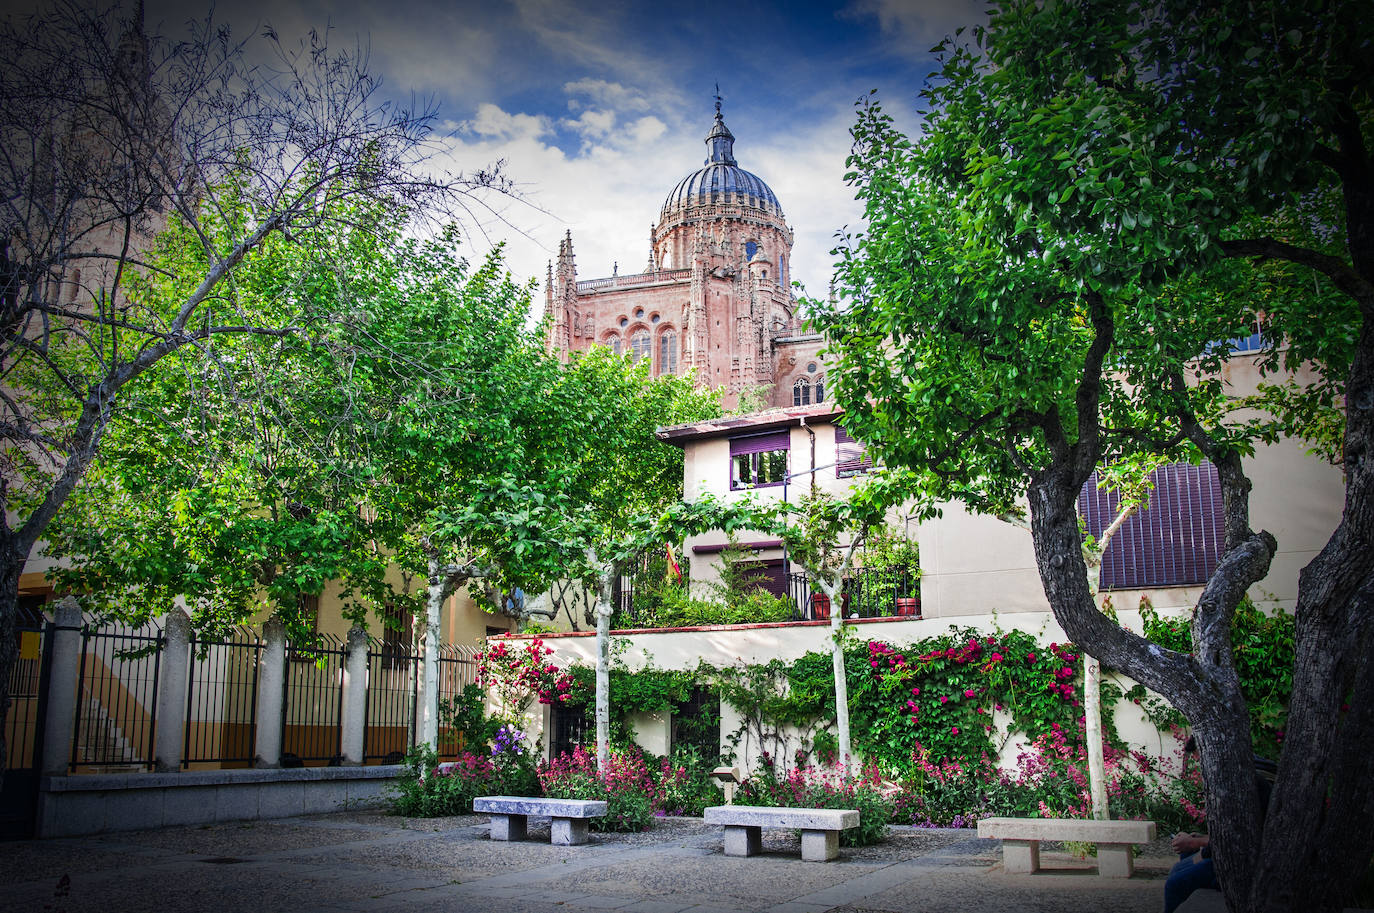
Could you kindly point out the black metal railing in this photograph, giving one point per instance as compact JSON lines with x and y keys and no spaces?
{"x":221,"y":699}
{"x":457,"y":669}
{"x":116,"y":700}
{"x":866,"y":593}
{"x":392,"y":682}
{"x":312,"y":724}
{"x":23,"y":721}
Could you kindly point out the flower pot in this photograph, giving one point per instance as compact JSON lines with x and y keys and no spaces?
{"x":820,"y":606}
{"x":908,"y":606}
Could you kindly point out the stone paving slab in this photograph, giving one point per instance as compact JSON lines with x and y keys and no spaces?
{"x":361,"y":862}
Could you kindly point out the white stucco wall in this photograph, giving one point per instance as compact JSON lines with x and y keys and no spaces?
{"x":735,"y":645}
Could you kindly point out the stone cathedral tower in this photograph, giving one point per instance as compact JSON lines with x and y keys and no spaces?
{"x":714,"y":297}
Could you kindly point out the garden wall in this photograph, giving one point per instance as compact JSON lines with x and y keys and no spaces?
{"x":723,"y":646}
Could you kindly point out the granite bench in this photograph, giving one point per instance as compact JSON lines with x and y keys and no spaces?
{"x":510,"y":814}
{"x":820,"y":828}
{"x":1021,"y":840}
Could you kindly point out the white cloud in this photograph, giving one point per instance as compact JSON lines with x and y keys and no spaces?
{"x":494,"y":124}
{"x":605,"y":94}
{"x":609,"y":193}
{"x":914,"y":26}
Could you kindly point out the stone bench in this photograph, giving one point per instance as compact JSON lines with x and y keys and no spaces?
{"x":510,"y":815}
{"x":1021,"y":841}
{"x":820,"y":828}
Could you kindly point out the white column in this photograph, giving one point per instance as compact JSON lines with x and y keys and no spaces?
{"x":355,"y":698}
{"x":60,"y":717}
{"x":171,"y":692}
{"x":271,"y":691}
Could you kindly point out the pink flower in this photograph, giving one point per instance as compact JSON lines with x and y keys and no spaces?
{"x":944,"y":699}
{"x":969,"y":692}
{"x":997,"y":657}
{"x":954,"y":730}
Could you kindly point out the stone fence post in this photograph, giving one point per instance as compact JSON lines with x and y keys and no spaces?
{"x":271,"y":693}
{"x":60,"y":718}
{"x":171,"y":692}
{"x":355,"y":698}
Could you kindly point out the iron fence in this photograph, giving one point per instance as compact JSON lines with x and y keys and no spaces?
{"x":866,"y":593}
{"x":312,"y":720}
{"x":221,"y":699}
{"x":116,"y":701}
{"x":24,"y":719}
{"x":392,"y":682}
{"x":457,"y":669}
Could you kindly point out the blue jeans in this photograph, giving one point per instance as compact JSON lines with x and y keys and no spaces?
{"x":1186,"y":877}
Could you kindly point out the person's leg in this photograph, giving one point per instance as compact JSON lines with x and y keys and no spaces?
{"x":1186,"y":877}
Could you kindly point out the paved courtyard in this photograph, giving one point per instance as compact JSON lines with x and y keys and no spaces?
{"x":366,"y":860}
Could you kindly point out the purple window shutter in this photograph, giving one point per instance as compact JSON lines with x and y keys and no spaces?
{"x":1176,"y":542}
{"x":851,"y":456}
{"x":760,"y":443}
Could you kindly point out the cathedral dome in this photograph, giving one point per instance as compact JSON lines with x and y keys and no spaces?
{"x":721,"y":180}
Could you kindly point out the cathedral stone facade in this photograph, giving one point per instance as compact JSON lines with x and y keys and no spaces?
{"x":715,"y":296}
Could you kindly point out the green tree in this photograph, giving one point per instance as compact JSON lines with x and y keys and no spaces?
{"x":239,"y":477}
{"x":1101,"y":194}
{"x":109,"y":133}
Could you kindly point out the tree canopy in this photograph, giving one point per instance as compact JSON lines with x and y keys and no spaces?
{"x":1102,"y":195}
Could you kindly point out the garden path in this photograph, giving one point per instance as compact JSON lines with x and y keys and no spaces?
{"x":359,"y":861}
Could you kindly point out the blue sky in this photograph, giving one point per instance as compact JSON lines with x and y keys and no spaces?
{"x":598,"y":109}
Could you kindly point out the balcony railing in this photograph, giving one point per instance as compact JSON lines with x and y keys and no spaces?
{"x":867,"y":593}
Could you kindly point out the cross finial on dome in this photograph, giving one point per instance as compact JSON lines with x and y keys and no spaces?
{"x":720,"y":141}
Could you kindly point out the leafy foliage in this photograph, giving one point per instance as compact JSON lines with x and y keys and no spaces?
{"x":625,"y":785}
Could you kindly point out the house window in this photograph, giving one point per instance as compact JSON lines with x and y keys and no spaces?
{"x":801,"y":392}
{"x":667,"y":352}
{"x":572,"y":726}
{"x":397,"y":630}
{"x":639,"y":345}
{"x":758,"y":461}
{"x":1177,"y":541}
{"x":696,"y":723}
{"x":851,"y":456}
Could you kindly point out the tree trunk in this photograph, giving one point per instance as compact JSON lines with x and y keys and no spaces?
{"x":604,"y":610}
{"x":1319,"y":834}
{"x":1092,"y":724}
{"x":841,"y":683}
{"x":1204,"y":687}
{"x":437,"y":591}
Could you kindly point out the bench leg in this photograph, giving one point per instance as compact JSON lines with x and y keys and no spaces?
{"x":1020,"y":857}
{"x":1114,"y":860}
{"x":508,"y":827}
{"x":743,"y":840}
{"x":568,"y":831}
{"x":820,"y":846}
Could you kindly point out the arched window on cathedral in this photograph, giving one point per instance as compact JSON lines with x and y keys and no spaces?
{"x":750,"y":248}
{"x":667,"y":352}
{"x":640,"y":345}
{"x":801,"y":392}
{"x":614,"y":343}
{"x":820,"y":389}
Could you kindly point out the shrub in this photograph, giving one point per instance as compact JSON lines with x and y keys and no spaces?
{"x":817,"y":787}
{"x":425,"y":791}
{"x":626,"y":787}
{"x":685,"y":786}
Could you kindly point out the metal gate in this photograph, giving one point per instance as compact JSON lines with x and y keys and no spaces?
{"x":24,"y":726}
